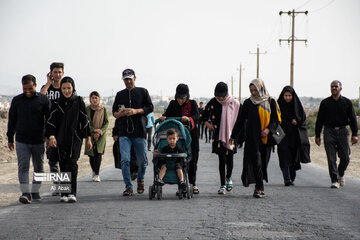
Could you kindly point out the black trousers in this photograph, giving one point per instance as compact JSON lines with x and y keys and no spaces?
{"x":201,"y":129}
{"x":226,"y":163}
{"x":95,"y":161}
{"x":260,"y":166}
{"x":193,"y":167}
{"x":69,"y":165}
{"x":53,"y":156}
{"x":336,"y":141}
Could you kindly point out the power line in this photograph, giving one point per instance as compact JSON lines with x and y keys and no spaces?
{"x":321,"y":8}
{"x":303,"y":4}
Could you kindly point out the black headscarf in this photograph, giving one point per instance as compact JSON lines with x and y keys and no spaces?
{"x":182,"y":91}
{"x":293,"y":108}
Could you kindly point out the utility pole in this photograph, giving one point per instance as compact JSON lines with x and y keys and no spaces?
{"x":292,"y":39}
{"x":257,"y":57}
{"x":359,"y":102}
{"x":240,"y":70}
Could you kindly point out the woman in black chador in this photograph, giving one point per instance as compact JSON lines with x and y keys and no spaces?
{"x":295,"y":147}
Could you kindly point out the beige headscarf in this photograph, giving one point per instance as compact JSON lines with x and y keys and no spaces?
{"x":98,"y":118}
{"x":263,"y":99}
{"x":264,"y":105}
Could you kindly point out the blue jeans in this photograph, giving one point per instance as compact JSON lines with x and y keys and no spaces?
{"x":140,"y":151}
{"x":24,"y":152}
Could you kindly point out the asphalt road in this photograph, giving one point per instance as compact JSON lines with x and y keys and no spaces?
{"x":309,"y":210}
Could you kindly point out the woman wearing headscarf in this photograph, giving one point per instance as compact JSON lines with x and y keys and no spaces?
{"x":295,"y":147}
{"x":223,"y":110}
{"x":260,"y":115}
{"x":67,"y":125}
{"x":99,"y":122}
{"x":188,"y":110}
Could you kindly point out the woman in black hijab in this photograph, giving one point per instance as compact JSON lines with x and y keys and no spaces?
{"x":295,"y":147}
{"x":67,"y":125}
{"x":188,"y":110}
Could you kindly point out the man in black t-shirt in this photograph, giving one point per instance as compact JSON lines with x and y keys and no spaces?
{"x":52,"y":90}
{"x":131,"y":105}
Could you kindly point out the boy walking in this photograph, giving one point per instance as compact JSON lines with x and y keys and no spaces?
{"x":52,"y":90}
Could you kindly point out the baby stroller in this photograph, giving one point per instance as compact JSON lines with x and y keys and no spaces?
{"x":159,"y":141}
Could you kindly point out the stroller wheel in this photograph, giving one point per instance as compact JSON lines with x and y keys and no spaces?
{"x":151,"y":194}
{"x":159,"y":192}
{"x":179,"y":191}
{"x":189,"y":192}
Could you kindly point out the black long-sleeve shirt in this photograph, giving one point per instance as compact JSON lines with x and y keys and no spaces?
{"x":133,"y":126}
{"x":27,"y":118}
{"x":336,"y":113}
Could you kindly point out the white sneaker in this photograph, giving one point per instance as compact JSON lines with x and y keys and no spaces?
{"x":335,"y":185}
{"x":96,"y":178}
{"x":71,"y":198}
{"x":341,"y":181}
{"x":64,"y":199}
{"x":222,"y":190}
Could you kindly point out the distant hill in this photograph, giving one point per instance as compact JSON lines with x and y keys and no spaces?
{"x":7,"y":90}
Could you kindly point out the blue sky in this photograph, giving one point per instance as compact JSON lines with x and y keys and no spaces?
{"x":168,"y":42}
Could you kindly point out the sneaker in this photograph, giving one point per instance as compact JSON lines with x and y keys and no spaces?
{"x":128,"y":191}
{"x":335,"y":185}
{"x":287,"y":183}
{"x":71,"y":198}
{"x":222,"y":190}
{"x":140,"y":186}
{"x":196,"y":190}
{"x":64,"y":198}
{"x":55,"y":194}
{"x":25,"y":198}
{"x":229,"y":183}
{"x":35,"y":196}
{"x":182,"y":185}
{"x":159,"y":182}
{"x":96,"y":178}
{"x":258,"y":194}
{"x":341,"y":181}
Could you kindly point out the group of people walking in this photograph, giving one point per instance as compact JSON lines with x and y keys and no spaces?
{"x":61,"y":119}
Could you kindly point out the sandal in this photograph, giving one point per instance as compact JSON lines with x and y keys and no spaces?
{"x":140,"y":187}
{"x":128,"y":191}
{"x":196,"y":190}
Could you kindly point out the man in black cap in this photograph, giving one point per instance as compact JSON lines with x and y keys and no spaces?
{"x":131,"y":106}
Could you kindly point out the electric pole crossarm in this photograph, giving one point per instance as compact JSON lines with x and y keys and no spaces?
{"x":290,"y":12}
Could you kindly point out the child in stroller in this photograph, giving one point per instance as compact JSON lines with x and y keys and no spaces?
{"x":172,"y":138}
{"x":172,"y":143}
